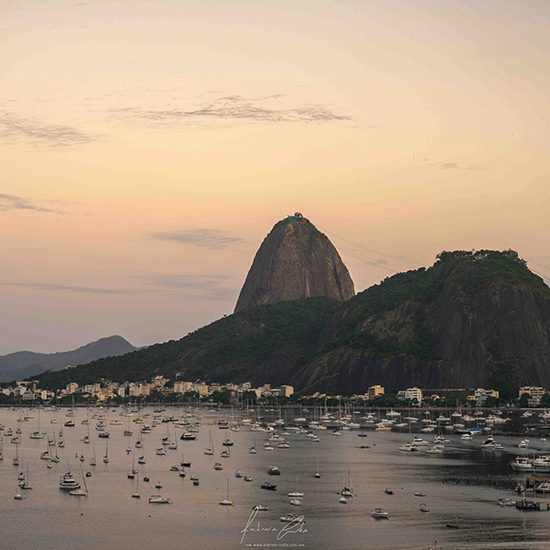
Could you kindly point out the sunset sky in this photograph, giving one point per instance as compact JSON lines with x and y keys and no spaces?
{"x":148,"y":146}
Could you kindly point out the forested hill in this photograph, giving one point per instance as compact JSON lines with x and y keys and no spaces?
{"x":473,"y":319}
{"x":266,"y":344}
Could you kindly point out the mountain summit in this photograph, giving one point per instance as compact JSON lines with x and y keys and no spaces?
{"x":295,"y":261}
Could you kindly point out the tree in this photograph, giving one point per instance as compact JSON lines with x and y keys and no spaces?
{"x":524,"y":400}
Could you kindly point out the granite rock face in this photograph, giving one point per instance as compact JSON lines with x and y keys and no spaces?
{"x":481,"y":316}
{"x":295,"y":261}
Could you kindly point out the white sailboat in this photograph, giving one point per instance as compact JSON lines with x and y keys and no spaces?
{"x":226,"y":501}
{"x":210,"y":450}
{"x":25,"y":483}
{"x":317,"y":474}
{"x":296,"y":493}
{"x":80,"y":492}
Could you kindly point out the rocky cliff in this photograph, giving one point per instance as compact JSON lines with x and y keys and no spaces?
{"x":472,"y":320}
{"x":295,"y":261}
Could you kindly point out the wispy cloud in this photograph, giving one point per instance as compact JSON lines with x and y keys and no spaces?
{"x":229,"y":109}
{"x":207,"y":238}
{"x":455,"y":165}
{"x":14,"y":202}
{"x":202,"y":286}
{"x":76,"y":289}
{"x":39,"y":133}
{"x":198,"y":287}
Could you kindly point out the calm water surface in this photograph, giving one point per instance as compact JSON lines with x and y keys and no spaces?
{"x":461,"y":487}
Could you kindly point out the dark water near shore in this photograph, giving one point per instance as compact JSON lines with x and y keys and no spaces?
{"x":461,"y":487}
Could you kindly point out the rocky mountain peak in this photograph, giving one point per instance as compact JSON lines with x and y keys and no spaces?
{"x":295,"y":261}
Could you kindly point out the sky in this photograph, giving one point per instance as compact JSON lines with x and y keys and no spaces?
{"x":147,"y":147}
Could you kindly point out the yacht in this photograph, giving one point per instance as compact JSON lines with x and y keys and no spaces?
{"x":68,"y":482}
{"x":157,"y":499}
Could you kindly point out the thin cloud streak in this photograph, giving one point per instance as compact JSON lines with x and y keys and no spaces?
{"x":200,"y":287}
{"x":231,"y":108}
{"x":40,"y":134}
{"x":76,"y":289}
{"x":205,"y":238}
{"x":14,"y":202}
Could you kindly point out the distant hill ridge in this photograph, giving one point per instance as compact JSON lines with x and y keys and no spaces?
{"x":22,"y":364}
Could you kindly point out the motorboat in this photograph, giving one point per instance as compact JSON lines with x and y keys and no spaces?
{"x":274,"y":471}
{"x":380,"y":514}
{"x":158,"y":499}
{"x":290,"y":518}
{"x":543,"y":488}
{"x":408,"y":447}
{"x":268,"y":486}
{"x":424,"y":508}
{"x":260,"y":508}
{"x":68,"y":481}
{"x":218,"y":466}
{"x":388,"y":491}
{"x":506,"y":502}
{"x":522,"y":464}
{"x":488,"y":444}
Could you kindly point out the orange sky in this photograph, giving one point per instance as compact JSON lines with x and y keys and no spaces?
{"x":147,"y":148}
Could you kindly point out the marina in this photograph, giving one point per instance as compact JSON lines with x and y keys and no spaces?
{"x":466,"y":486}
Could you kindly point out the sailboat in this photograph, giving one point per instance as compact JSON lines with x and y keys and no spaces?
{"x":347,"y":491}
{"x":317,"y":474}
{"x":106,"y":457}
{"x":226,"y":501}
{"x":210,"y":450}
{"x":93,"y":460}
{"x":133,"y":471}
{"x":1,"y":447}
{"x":16,"y":459}
{"x":18,"y":496}
{"x":184,"y":463}
{"x":25,"y":483}
{"x":136,"y":493}
{"x":80,"y":492}
{"x":296,"y":493}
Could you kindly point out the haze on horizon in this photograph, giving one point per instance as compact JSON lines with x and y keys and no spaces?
{"x":148,"y":147}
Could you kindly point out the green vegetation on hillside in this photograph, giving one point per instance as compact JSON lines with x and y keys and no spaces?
{"x":506,"y":379}
{"x":379,"y":299}
{"x":230,"y":349}
{"x":472,"y":270}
